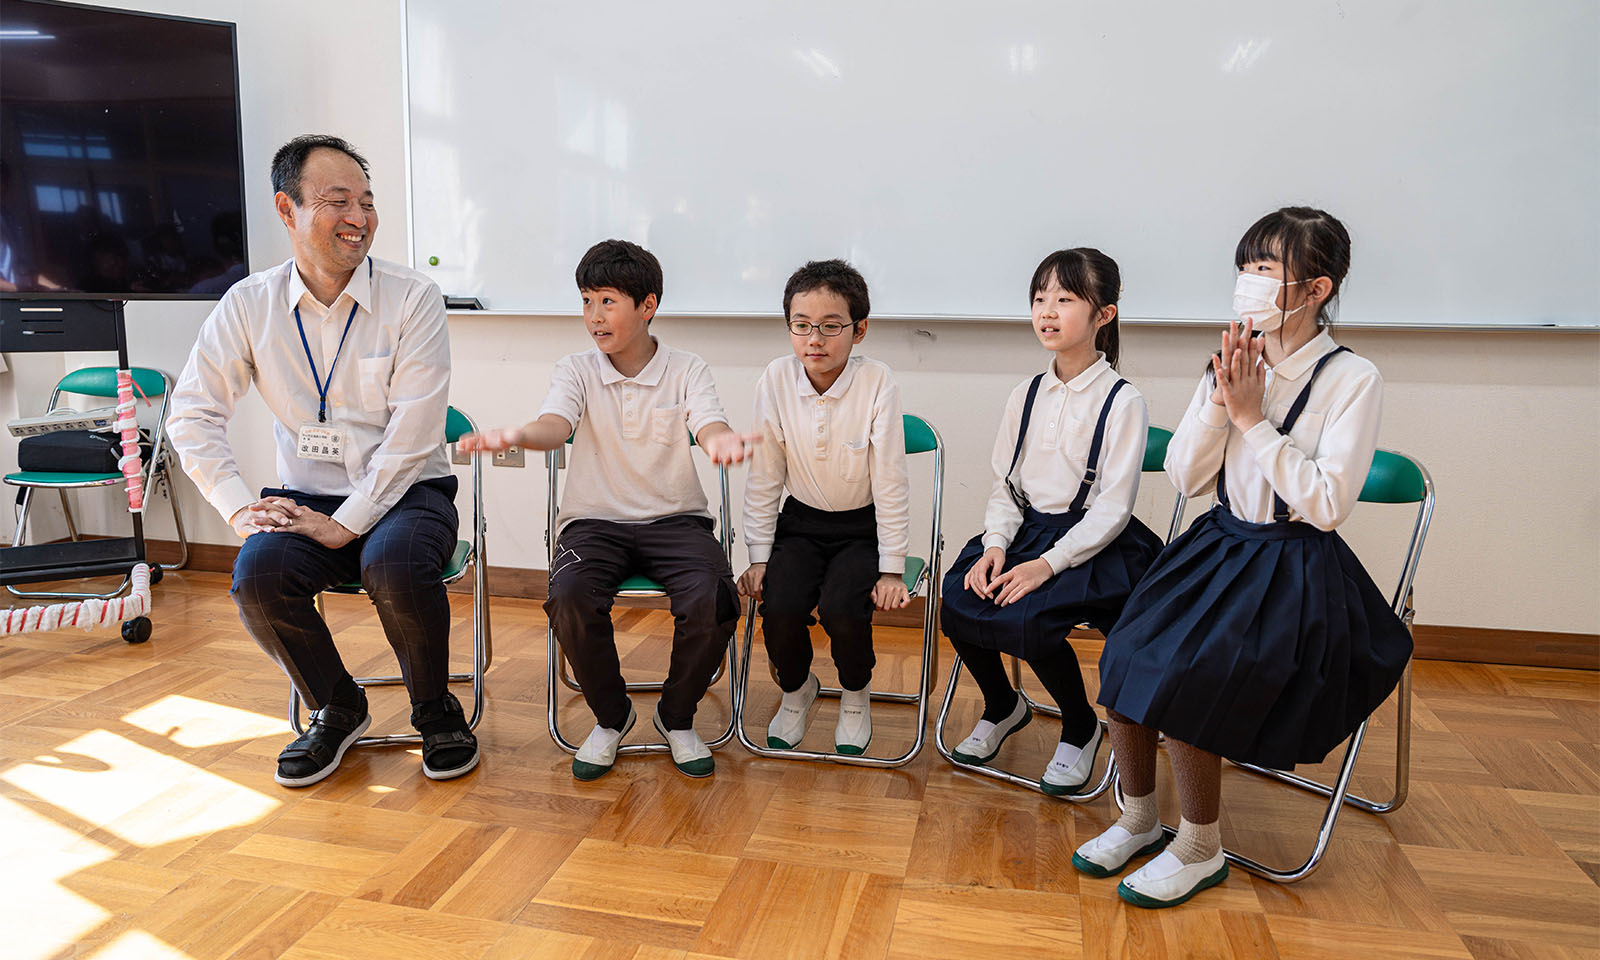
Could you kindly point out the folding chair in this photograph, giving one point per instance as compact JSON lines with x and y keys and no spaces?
{"x":1155,"y":454}
{"x":1393,"y":478}
{"x":468,"y":553}
{"x":921,"y":437}
{"x":635,"y":586}
{"x":101,"y":383}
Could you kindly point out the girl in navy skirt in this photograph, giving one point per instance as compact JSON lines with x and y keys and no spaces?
{"x":1257,"y":635}
{"x":1060,"y":544}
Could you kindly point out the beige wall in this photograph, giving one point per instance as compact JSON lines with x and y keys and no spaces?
{"x":1509,"y":424}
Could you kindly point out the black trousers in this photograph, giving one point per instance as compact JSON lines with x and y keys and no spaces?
{"x":1060,"y":674}
{"x":680,"y":553}
{"x":399,"y":562}
{"x":827,"y":561}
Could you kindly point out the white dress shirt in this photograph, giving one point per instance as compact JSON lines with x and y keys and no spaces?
{"x":1054,"y":461}
{"x":389,"y":390}
{"x":1318,"y":469}
{"x":629,"y":459}
{"x":838,"y":450}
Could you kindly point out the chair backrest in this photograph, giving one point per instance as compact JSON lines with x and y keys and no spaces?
{"x":1393,"y":478}
{"x":1155,"y":448}
{"x":920,"y":437}
{"x":456,"y":425}
{"x":102,"y":382}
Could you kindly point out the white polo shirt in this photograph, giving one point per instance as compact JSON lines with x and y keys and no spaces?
{"x":630,"y":459}
{"x":838,"y":450}
{"x":1318,"y":469}
{"x":1055,"y":458}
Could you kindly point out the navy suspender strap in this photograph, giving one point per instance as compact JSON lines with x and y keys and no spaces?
{"x":1091,"y":467}
{"x":1280,"y":509}
{"x":1017,"y":496}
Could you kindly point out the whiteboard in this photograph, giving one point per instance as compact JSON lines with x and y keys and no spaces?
{"x":945,"y":147}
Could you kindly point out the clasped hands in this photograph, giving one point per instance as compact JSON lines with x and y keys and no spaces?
{"x":282,"y":515}
{"x":1241,"y":374}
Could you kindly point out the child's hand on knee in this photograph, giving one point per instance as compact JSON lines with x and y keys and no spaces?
{"x":980,"y":579}
{"x":751,"y":580}
{"x":890,"y":592}
{"x":1020,"y":580}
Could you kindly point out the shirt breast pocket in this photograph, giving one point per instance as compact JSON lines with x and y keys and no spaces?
{"x":374,"y":377}
{"x":1076,"y":437}
{"x":667,"y":426}
{"x":1307,"y":430}
{"x":854,"y":459}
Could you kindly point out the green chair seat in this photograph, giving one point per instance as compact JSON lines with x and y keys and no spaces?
{"x":452,"y":569}
{"x":51,"y":478}
{"x":1155,"y":448}
{"x":637,"y":586}
{"x":920,"y":437}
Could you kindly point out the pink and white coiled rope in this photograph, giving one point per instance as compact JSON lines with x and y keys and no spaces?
{"x":89,"y":614}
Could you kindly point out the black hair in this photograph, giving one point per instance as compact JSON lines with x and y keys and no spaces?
{"x":836,"y":276}
{"x":622,"y":266}
{"x":1310,"y":243}
{"x":289,"y":163}
{"x":1089,"y":275}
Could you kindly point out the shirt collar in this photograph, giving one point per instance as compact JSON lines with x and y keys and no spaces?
{"x":1296,"y":364}
{"x":650,"y":376}
{"x":358,"y":289}
{"x":1082,"y":381}
{"x":839,"y":387}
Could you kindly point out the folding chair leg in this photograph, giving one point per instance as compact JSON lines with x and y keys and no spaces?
{"x":1107,"y":779}
{"x":555,"y":672}
{"x":165,"y":479}
{"x":631,"y":686}
{"x":66,"y":512}
{"x":921,"y":698}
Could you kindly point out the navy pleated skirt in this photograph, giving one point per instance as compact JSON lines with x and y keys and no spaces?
{"x":1266,"y":643}
{"x":1092,"y":592}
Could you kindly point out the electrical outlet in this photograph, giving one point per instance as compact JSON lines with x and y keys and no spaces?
{"x":509,"y":457}
{"x":458,"y":456}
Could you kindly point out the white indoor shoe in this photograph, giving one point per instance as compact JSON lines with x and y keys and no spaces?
{"x":1070,"y":768}
{"x":854,"y":730}
{"x":599,"y":752}
{"x":1109,"y":854}
{"x":1167,"y":881}
{"x":689,"y":753}
{"x":983,"y":744}
{"x":788,"y":726}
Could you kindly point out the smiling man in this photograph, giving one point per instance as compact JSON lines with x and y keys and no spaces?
{"x":352,"y":357}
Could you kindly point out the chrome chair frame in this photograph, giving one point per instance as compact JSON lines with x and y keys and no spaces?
{"x":929,"y":575}
{"x":482,"y":644}
{"x":556,"y":662}
{"x":1338,"y":792}
{"x":157,"y":473}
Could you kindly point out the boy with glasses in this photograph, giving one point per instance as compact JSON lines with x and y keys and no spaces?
{"x":832,"y":433}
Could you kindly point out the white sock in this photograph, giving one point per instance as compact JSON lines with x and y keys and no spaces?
{"x":1140,"y":814}
{"x":1196,"y":842}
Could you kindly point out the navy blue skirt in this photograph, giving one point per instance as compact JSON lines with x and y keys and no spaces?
{"x":1266,"y":643}
{"x":1093,"y":592}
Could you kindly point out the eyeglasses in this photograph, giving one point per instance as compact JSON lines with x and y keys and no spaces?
{"x":829,"y":328}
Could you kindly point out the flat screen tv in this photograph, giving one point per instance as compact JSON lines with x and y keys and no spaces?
{"x":121,"y":171}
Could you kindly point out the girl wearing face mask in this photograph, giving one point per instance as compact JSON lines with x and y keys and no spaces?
{"x":1256,"y":635}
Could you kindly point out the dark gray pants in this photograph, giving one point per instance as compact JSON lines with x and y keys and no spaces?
{"x":680,"y":553}
{"x":399,"y":562}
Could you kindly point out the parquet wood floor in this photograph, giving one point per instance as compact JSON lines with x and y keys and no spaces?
{"x":138,"y":818}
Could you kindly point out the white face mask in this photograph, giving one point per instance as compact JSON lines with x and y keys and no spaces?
{"x":1255,"y":298}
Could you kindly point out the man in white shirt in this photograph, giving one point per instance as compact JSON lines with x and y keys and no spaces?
{"x":352,"y":357}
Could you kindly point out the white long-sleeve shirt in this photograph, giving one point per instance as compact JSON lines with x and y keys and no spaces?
{"x":1318,"y":469}
{"x":838,"y":450}
{"x":1054,"y":460}
{"x":389,"y":390}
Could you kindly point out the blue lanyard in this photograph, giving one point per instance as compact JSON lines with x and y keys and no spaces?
{"x":322,"y":388}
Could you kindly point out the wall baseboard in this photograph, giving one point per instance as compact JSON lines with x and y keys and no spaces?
{"x":1526,"y":648}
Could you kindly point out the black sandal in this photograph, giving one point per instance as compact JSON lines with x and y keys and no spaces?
{"x":333,"y":730}
{"x":448,"y":747}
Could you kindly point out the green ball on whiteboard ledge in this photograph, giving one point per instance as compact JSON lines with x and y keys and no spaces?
{"x":433,"y":261}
